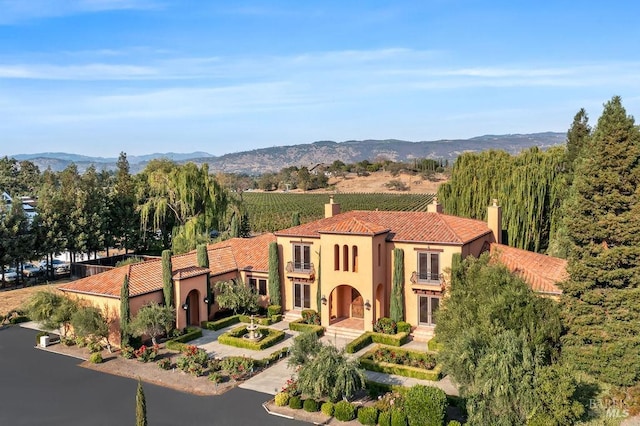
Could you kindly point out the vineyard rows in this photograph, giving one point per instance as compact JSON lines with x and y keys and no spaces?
{"x":271,"y":211}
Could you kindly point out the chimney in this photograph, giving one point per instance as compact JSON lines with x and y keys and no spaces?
{"x":494,"y":220}
{"x":332,"y":208}
{"x":434,"y":207}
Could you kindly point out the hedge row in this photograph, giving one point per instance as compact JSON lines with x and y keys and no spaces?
{"x":369,"y":337}
{"x":301,"y":326}
{"x":433,"y":345}
{"x":400,"y":370}
{"x":273,"y":358}
{"x":179,"y":342}
{"x":272,"y":337}
{"x":221,"y":323}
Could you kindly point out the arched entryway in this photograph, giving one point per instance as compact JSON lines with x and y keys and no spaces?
{"x":380,"y":304}
{"x":346,"y":307}
{"x":193,"y":308}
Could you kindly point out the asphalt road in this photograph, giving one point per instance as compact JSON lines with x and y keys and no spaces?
{"x":44,"y":388}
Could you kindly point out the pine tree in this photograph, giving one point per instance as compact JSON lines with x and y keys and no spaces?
{"x":601,"y":301}
{"x":125,"y":313}
{"x":141,"y":406}
{"x":397,"y":292}
{"x":167,"y":278}
{"x":275,"y":297}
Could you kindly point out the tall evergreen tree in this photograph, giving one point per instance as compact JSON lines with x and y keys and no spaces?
{"x":577,"y":137}
{"x":275,"y":297}
{"x":141,"y":406}
{"x":203,"y":262}
{"x":167,"y":278}
{"x":396,"y":309}
{"x":601,"y":301}
{"x":245,"y":226}
{"x":319,"y":284}
{"x":125,"y":312}
{"x":295,"y":219}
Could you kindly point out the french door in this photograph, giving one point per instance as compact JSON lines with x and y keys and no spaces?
{"x":301,"y":296}
{"x":428,"y":306}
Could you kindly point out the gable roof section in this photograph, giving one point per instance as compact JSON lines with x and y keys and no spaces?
{"x":352,"y":226}
{"x":420,"y":227}
{"x":221,"y":260}
{"x":540,"y":271}
{"x":250,"y":254}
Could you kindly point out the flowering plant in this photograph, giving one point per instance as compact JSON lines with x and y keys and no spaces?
{"x":146,"y":353}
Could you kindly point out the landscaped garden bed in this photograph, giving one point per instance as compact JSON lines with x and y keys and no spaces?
{"x":236,"y":338}
{"x":401,"y":362}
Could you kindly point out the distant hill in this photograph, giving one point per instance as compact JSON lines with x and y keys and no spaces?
{"x":275,"y":158}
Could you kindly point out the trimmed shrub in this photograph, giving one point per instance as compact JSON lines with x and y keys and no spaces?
{"x":398,"y":418}
{"x":282,"y":399}
{"x":274,"y":310}
{"x":257,"y":320}
{"x":95,"y":358}
{"x":401,"y":370}
{"x":235,"y":339}
{"x":368,"y":416}
{"x":221,"y":323}
{"x":384,"y":419}
{"x":327,"y":408}
{"x":311,"y":317}
{"x":344,"y":411}
{"x":295,"y":402}
{"x":369,"y":337}
{"x":454,"y":423}
{"x":425,"y":406}
{"x":358,"y":343}
{"x":300,"y":326}
{"x":310,"y":405}
{"x":433,"y":345}
{"x":276,"y":318}
{"x":404,"y":327}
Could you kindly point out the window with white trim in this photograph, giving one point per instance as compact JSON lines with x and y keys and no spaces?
{"x":428,"y":267}
{"x":301,"y":257}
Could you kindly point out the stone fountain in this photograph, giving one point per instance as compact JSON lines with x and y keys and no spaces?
{"x":253,"y":334}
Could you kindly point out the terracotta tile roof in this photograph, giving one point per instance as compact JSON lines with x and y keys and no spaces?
{"x":145,"y":277}
{"x":402,"y":226}
{"x":540,"y":271}
{"x":353,"y":225}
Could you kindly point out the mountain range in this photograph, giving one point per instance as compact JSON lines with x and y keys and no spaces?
{"x":273,"y":159}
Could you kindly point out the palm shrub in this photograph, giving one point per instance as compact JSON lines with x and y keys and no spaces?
{"x":344,"y":411}
{"x":425,"y":406}
{"x":368,"y":416}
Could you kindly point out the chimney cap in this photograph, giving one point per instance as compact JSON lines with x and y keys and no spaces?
{"x":495,"y":202}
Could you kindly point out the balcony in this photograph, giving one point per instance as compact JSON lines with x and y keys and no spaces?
{"x":427,"y":280}
{"x":304,"y":270}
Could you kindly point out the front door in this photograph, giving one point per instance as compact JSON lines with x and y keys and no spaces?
{"x":357,"y":304}
{"x":428,"y":306}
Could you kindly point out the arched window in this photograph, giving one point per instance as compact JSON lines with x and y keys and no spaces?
{"x":379,"y":254}
{"x":345,"y":256}
{"x":354,"y":258}
{"x":336,"y":257}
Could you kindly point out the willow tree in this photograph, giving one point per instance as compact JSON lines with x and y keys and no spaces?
{"x":125,"y":312}
{"x":275,"y":297}
{"x":601,"y":301}
{"x":167,"y":278}
{"x":195,"y":201}
{"x":397,"y":292}
{"x":529,"y":187}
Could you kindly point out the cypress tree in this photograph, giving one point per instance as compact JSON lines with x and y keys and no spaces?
{"x":141,"y":406}
{"x":275,"y":297}
{"x":245,"y":226}
{"x":319,"y":286}
{"x":125,"y":312}
{"x":295,"y":219}
{"x":167,"y":278}
{"x":601,"y":301}
{"x":203,"y":262}
{"x":397,"y":292}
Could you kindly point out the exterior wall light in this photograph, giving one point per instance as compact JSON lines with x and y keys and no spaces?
{"x":367,"y":305}
{"x":206,"y":300}
{"x":185,"y":306}
{"x":324,"y":299}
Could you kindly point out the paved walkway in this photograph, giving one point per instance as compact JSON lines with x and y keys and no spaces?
{"x":272,"y":379}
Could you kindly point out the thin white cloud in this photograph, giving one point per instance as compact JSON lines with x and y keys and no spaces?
{"x":17,"y":11}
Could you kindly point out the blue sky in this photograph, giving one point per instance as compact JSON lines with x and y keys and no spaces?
{"x":97,"y":77}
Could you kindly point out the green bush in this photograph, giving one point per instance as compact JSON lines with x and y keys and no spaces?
{"x":95,"y":358}
{"x":178,"y":343}
{"x":385,"y":325}
{"x":425,"y":406}
{"x":327,"y":408}
{"x":344,"y":411}
{"x":175,"y":346}
{"x":164,"y":364}
{"x":215,"y":377}
{"x":311,"y":317}
{"x":368,"y":363}
{"x":310,"y":405}
{"x":300,"y":326}
{"x":221,"y":323}
{"x":295,"y":402}
{"x":398,"y":418}
{"x":274,"y":310}
{"x":39,"y":335}
{"x":384,"y":419}
{"x":368,"y":416}
{"x":94,"y":347}
{"x":358,"y":343}
{"x":282,"y":399}
{"x":256,"y":320}
{"x":433,"y":345}
{"x":18,"y":319}
{"x":272,"y":337}
{"x":276,"y":318}
{"x":454,"y":423}
{"x":404,"y":327}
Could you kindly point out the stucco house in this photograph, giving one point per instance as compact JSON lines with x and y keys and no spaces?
{"x":345,"y":260}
